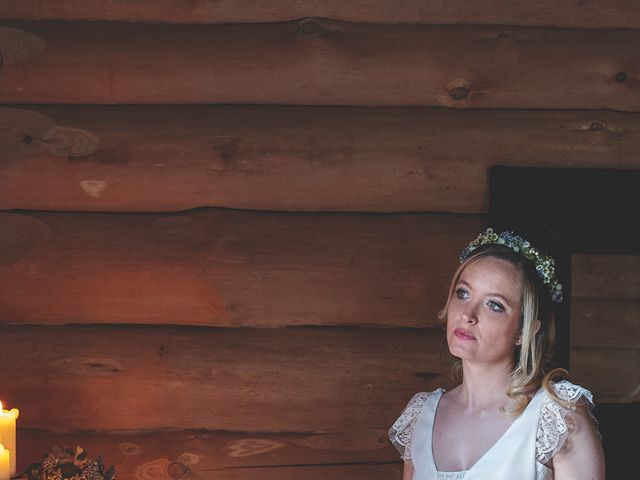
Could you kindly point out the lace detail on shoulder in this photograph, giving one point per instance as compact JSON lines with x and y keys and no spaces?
{"x":401,"y":432}
{"x":552,"y":427}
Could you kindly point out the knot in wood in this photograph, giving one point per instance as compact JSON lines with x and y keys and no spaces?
{"x":128,"y":448}
{"x":176,"y":470}
{"x":621,"y":77}
{"x":19,"y":45}
{"x":596,"y":126}
{"x":504,"y":35}
{"x":458,"y":93}
{"x":309,"y":26}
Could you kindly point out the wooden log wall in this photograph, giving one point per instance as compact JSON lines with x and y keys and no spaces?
{"x":227,"y":227}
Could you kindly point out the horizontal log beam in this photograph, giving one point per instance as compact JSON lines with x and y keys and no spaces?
{"x":298,"y":380}
{"x":228,"y":268}
{"x":157,"y":158}
{"x":609,"y":14}
{"x":216,"y":455}
{"x":319,"y":62}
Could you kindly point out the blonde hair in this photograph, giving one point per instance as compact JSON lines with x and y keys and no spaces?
{"x":532,"y":362}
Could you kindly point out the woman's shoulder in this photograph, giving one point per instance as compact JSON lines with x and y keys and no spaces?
{"x":571,"y":393}
{"x":561,"y":408}
{"x":419,"y":398}
{"x":401,"y":432}
{"x":415,"y":404}
{"x":565,"y":398}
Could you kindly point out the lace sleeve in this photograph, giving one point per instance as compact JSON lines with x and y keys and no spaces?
{"x":552,"y":427}
{"x":402,"y":430}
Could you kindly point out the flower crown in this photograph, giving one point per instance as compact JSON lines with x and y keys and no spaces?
{"x":545,"y":265}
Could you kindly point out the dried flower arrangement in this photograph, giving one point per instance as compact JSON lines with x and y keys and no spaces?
{"x":67,"y":464}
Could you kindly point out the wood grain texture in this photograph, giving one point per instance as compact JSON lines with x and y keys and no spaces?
{"x":325,"y":62}
{"x":207,"y":454}
{"x":545,"y":13}
{"x":300,"y":379}
{"x":158,"y":158}
{"x":228,"y":268}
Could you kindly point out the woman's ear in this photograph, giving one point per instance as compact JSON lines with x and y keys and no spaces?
{"x":536,"y":326}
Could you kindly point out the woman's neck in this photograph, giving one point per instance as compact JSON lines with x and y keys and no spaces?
{"x":484,"y":387}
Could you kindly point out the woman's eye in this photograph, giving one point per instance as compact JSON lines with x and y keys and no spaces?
{"x":462,"y":294}
{"x":495,"y":306}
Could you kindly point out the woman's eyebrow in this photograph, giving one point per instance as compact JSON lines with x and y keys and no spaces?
{"x":492,"y":294}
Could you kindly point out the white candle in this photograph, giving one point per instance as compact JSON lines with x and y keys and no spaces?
{"x":5,"y":463}
{"x":8,"y":435}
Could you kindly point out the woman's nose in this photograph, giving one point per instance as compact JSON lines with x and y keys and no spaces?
{"x":469,"y":314}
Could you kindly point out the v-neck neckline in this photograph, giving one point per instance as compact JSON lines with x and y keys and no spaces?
{"x":500,"y":440}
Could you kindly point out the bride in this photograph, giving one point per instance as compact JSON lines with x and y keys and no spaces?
{"x":509,"y":417}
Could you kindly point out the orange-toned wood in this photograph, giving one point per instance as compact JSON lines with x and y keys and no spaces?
{"x":207,"y":454}
{"x":229,"y":268}
{"x":609,"y":14}
{"x":159,"y":158}
{"x":297,"y":472}
{"x":308,"y":472}
{"x":325,"y":63}
{"x":302,"y":380}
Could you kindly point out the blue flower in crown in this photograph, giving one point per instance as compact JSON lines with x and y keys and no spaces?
{"x":544,"y":264}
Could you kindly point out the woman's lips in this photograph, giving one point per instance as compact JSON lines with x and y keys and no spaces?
{"x":463,"y":334}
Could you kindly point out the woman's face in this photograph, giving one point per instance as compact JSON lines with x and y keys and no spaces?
{"x":483,"y":318}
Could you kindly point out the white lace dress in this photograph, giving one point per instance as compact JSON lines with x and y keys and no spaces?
{"x":541,"y":428}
